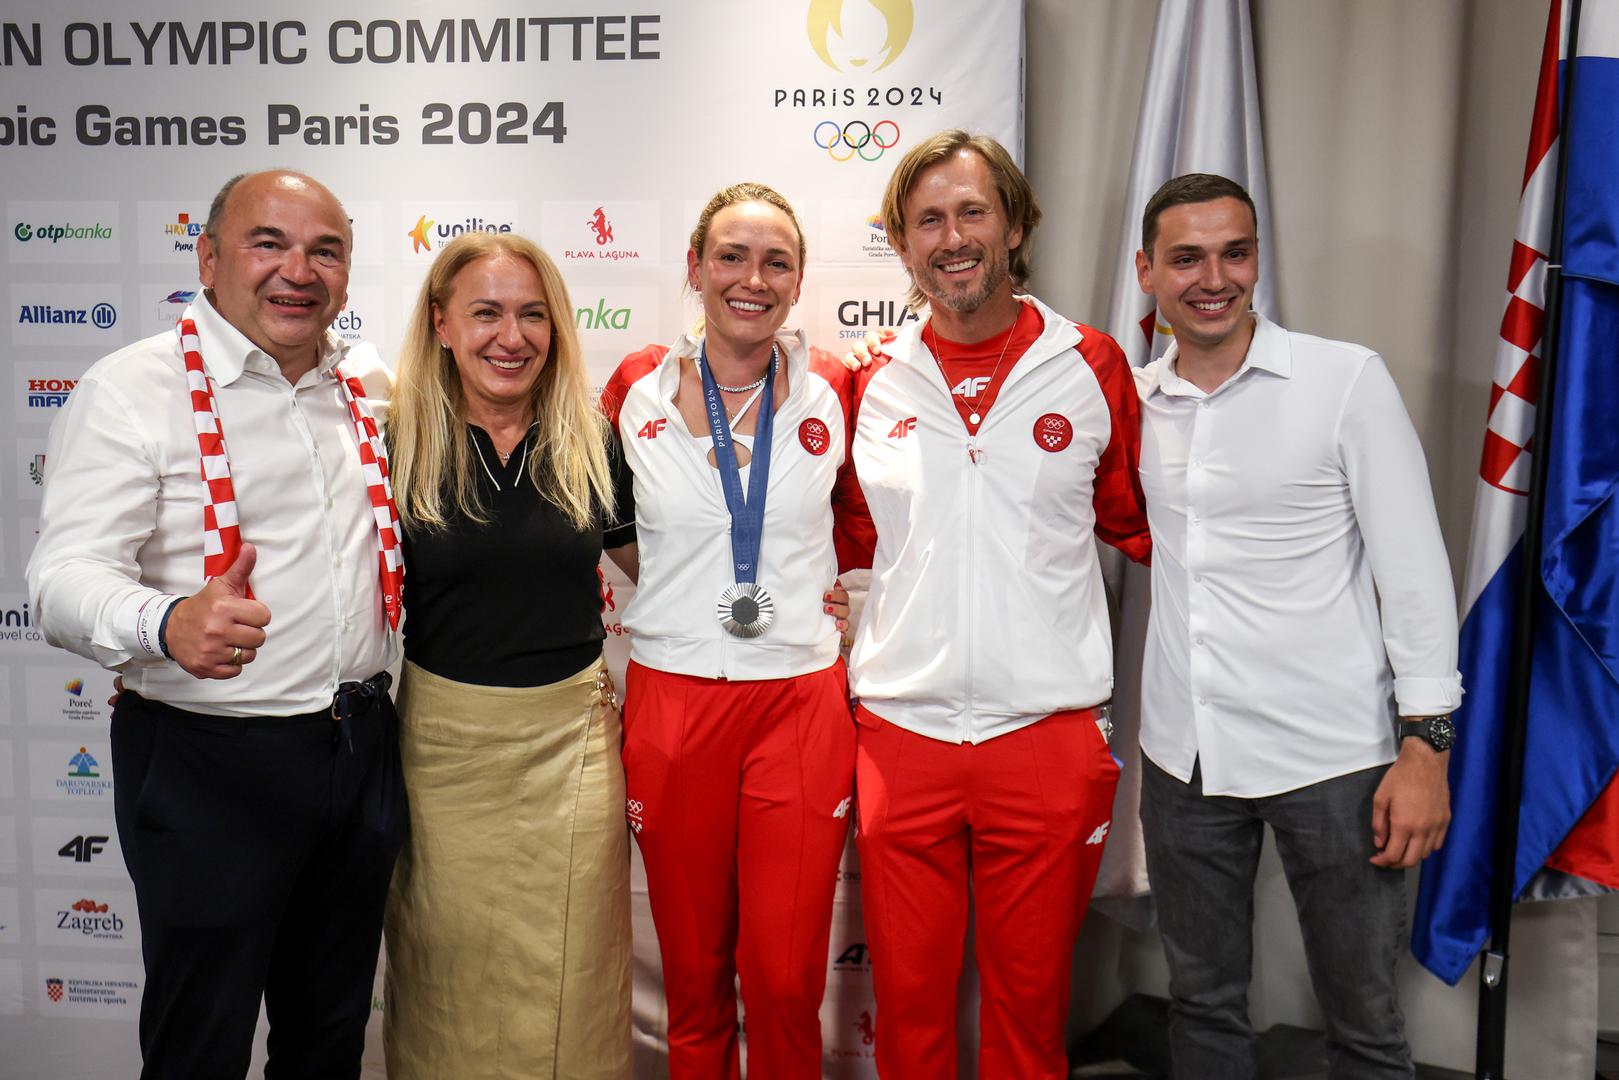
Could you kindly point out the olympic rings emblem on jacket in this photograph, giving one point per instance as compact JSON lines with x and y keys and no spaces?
{"x":843,"y":142}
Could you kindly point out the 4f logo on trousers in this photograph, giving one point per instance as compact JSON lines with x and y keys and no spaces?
{"x":1099,"y":835}
{"x":843,"y":807}
{"x":903,"y":428}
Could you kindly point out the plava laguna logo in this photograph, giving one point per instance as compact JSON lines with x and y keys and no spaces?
{"x":605,"y":243}
{"x":859,"y":35}
{"x":427,"y":231}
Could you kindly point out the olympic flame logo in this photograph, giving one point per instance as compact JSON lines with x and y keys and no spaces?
{"x":864,"y":35}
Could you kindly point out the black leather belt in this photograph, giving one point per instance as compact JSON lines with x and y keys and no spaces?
{"x":356,"y":699}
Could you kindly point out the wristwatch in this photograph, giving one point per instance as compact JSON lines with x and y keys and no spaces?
{"x":1437,"y":731}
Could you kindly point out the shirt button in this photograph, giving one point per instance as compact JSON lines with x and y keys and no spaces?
{"x":1198,"y":641}
{"x":1197,"y":521}
{"x":1202,"y":701}
{"x":1197,"y":463}
{"x":1197,"y":578}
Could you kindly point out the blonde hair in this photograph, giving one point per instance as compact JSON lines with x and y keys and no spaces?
{"x":747,"y":191}
{"x":432,"y":457}
{"x":1017,"y":196}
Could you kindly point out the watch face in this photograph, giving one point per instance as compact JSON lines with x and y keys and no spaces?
{"x":1441,"y":733}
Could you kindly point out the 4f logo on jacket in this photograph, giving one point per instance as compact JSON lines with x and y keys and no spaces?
{"x":971,"y":386}
{"x":650,"y":429}
{"x":903,"y":428}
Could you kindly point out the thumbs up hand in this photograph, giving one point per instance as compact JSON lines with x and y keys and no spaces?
{"x":215,"y":632}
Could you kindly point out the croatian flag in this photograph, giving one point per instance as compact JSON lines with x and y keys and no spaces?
{"x":1568,"y":820}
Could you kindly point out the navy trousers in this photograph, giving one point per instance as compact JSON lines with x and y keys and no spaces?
{"x":261,"y":852}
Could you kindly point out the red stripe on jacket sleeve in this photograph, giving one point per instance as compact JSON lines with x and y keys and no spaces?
{"x":631,"y":368}
{"x":854,"y":537}
{"x":1121,"y":508}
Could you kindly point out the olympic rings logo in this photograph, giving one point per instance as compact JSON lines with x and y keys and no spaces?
{"x":843,"y":142}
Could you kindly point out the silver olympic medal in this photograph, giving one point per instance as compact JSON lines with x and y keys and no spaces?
{"x":745,"y":610}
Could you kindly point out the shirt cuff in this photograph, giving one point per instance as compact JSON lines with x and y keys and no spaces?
{"x":1428,"y":696}
{"x":147,"y":619}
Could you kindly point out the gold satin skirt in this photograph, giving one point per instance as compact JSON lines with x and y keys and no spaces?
{"x":508,"y":925}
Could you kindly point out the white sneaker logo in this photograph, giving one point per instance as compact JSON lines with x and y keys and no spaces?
{"x":843,"y":807}
{"x":1099,"y":835}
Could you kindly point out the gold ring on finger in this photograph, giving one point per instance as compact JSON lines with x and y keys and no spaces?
{"x":236,"y":654}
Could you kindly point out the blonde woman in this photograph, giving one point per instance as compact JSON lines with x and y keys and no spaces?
{"x":508,"y":928}
{"x":739,"y":748}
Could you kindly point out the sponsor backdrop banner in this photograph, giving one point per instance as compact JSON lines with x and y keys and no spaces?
{"x":598,"y":130}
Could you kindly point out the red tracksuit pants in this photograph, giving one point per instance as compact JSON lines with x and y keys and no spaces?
{"x":1019,"y":821}
{"x":739,"y":795}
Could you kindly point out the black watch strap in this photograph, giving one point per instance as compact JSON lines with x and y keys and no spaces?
{"x":1437,"y":731}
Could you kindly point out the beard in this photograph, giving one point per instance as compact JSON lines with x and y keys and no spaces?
{"x":964,"y":299}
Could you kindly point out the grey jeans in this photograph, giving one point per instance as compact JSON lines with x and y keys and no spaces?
{"x":1202,"y":855}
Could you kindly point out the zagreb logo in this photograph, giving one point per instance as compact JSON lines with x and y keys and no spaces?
{"x":90,"y":919}
{"x":845,"y":142}
{"x":861,"y":35}
{"x":1053,"y":432}
{"x":813,"y":434}
{"x":601,"y":227}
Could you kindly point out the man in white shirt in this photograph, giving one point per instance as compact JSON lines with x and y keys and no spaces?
{"x":258,"y":796}
{"x":1301,"y":595}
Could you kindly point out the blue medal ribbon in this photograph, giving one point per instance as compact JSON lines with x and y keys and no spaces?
{"x":747,"y":516}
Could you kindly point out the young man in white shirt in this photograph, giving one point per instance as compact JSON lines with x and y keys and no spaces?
{"x":258,"y":795}
{"x":1301,"y":652}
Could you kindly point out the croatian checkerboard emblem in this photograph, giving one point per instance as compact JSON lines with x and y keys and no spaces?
{"x":1053,"y":432}
{"x":814,"y":435}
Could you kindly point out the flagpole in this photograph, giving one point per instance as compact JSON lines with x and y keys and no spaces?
{"x":1490,"y":1058}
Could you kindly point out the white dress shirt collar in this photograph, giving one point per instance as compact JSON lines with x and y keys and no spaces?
{"x":1269,"y":351}
{"x":227,"y":352}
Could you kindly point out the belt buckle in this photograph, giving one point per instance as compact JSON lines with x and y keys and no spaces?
{"x":605,"y":689}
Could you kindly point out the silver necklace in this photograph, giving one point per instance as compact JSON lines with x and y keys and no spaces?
{"x":754,"y":385}
{"x":503,"y":460}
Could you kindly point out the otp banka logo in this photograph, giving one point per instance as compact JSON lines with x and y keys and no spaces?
{"x":859,"y":35}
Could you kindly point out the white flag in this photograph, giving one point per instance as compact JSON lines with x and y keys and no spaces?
{"x":1199,"y":113}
